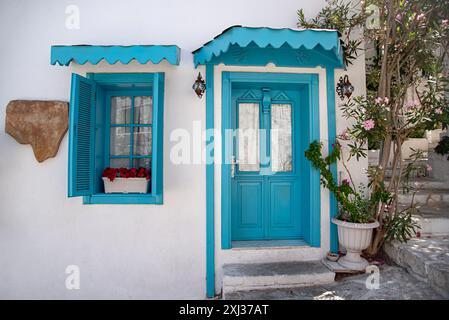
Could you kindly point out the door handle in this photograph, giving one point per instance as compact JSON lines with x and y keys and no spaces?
{"x":233,"y":163}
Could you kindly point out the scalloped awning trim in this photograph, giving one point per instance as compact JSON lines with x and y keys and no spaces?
{"x":112,"y":54}
{"x":264,"y":37}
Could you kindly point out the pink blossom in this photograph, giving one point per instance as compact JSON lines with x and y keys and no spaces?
{"x":344,"y":135}
{"x":429,"y":168}
{"x":368,"y":124}
{"x":410,"y":104}
{"x":421,"y":16}
{"x":378,"y":100}
{"x":438,"y":111}
{"x":386,"y":100}
{"x":445,"y":23}
{"x":399,"y":17}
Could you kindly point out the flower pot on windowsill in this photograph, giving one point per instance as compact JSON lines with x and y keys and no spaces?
{"x":355,"y":237}
{"x":126,"y":185}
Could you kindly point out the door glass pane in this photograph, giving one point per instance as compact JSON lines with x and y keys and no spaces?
{"x":281,"y":137}
{"x":120,"y":143}
{"x":248,"y":137}
{"x":142,"y":141}
{"x":120,"y":110}
{"x":143,"y":110}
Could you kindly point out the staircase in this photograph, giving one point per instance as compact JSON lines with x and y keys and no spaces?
{"x":427,"y":257}
{"x":240,"y":277}
{"x":432,"y":211}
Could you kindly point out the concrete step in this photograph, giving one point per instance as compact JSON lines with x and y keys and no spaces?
{"x":432,"y":227}
{"x":427,"y":259}
{"x":429,"y":197}
{"x":257,"y":276}
{"x":434,"y":221}
{"x":427,"y":183}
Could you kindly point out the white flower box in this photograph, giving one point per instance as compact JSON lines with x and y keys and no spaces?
{"x":126,"y":185}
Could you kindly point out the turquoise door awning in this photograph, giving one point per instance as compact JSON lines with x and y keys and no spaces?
{"x":239,"y":45}
{"x":81,"y":54}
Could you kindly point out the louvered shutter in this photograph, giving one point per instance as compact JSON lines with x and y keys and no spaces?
{"x":81,"y":136}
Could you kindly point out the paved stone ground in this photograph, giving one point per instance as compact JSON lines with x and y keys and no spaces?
{"x":395,"y":284}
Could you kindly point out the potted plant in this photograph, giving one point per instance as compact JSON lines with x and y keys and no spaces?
{"x":355,"y":221}
{"x":123,"y":180}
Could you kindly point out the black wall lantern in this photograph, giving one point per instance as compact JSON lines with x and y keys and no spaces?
{"x":199,"y":86}
{"x":344,"y":87}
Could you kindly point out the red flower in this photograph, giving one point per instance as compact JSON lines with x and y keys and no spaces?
{"x":112,"y":173}
{"x":132,"y":172}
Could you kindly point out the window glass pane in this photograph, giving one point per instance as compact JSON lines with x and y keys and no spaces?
{"x":142,"y":162}
{"x":248,"y":137}
{"x":281,"y":137}
{"x":119,"y":163}
{"x":143,"y":110}
{"x":142,"y":141}
{"x":120,"y":110}
{"x":120,"y":142}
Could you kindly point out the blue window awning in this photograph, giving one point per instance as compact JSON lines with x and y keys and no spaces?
{"x":239,"y":45}
{"x":81,"y":54}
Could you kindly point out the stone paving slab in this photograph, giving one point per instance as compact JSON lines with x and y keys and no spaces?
{"x":425,"y":258}
{"x":262,"y":276}
{"x":394,"y":284}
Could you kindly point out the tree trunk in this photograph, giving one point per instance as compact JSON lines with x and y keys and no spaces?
{"x":376,"y":243}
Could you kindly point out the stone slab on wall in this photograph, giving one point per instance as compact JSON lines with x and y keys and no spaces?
{"x":42,"y":124}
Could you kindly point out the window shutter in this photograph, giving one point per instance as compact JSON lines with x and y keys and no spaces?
{"x":81,"y":136}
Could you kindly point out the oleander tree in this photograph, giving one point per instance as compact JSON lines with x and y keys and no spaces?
{"x":406,"y":85}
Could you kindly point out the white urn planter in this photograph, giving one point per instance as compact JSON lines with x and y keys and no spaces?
{"x":126,"y":185}
{"x":355,"y":237}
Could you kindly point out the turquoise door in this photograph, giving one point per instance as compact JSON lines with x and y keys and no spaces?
{"x":267,"y":158}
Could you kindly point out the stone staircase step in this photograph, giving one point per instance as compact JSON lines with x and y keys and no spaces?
{"x":433,"y":220}
{"x":432,"y":227}
{"x":427,"y":183}
{"x":425,"y":196}
{"x":256,"y":276}
{"x":426,"y":258}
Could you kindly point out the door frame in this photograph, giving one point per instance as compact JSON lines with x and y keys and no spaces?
{"x":308,"y":82}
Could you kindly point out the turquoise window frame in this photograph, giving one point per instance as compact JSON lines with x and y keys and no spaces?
{"x":154,"y":84}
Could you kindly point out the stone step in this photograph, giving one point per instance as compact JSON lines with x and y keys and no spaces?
{"x":270,"y":254}
{"x":426,"y":258}
{"x":427,"y":183}
{"x":432,"y":227}
{"x":257,"y":276}
{"x":429,"y":197}
{"x":434,"y":221}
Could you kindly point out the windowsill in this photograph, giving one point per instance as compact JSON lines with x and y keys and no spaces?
{"x":116,"y":198}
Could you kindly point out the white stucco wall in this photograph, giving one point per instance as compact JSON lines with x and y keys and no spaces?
{"x":132,"y":251}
